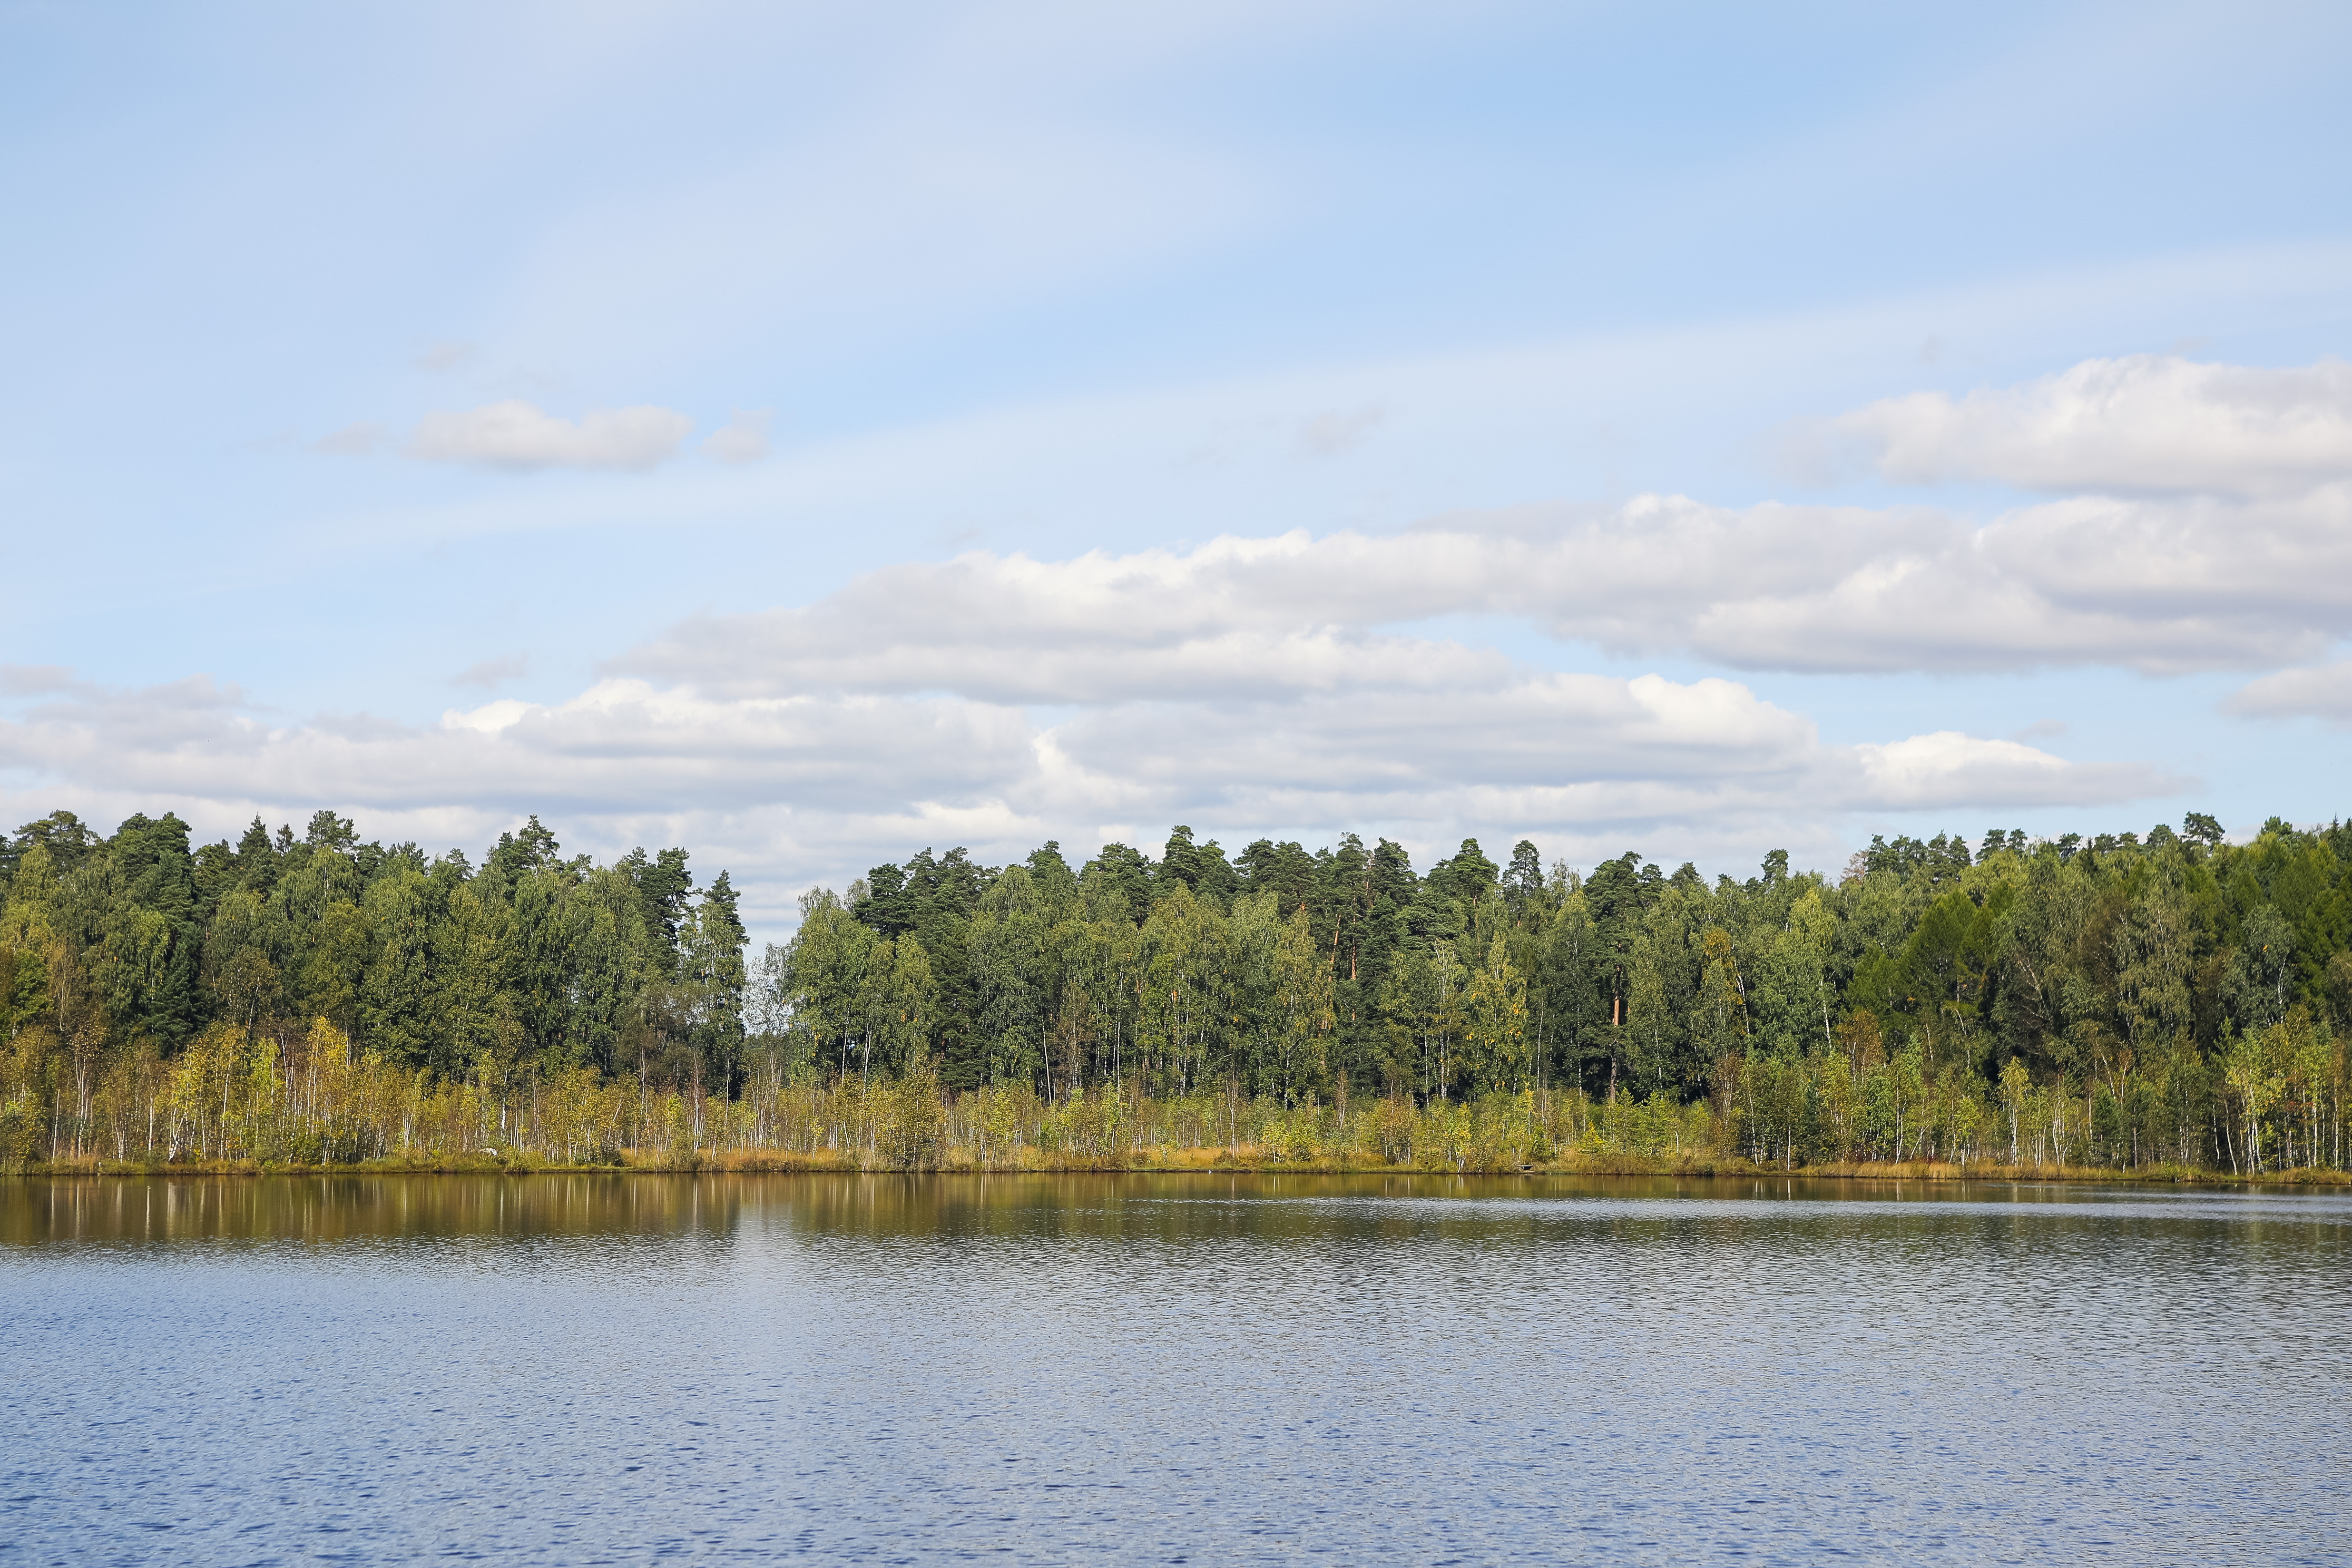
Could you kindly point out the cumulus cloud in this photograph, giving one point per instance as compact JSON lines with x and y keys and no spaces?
{"x":1949,"y":769}
{"x":490,"y":672}
{"x":617,"y":742}
{"x":2318,"y":691}
{"x":515,"y":433}
{"x":786,"y":788}
{"x":2162,"y":584}
{"x":1393,"y":752}
{"x":742,"y":439}
{"x":40,"y":680}
{"x":2145,"y":423}
{"x":350,"y":441}
{"x":1329,"y":435}
{"x":1278,"y":682}
{"x":445,"y":356}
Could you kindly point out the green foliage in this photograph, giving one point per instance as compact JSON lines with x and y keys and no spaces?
{"x":2173,"y":999}
{"x":137,"y":949}
{"x":1825,"y":1017}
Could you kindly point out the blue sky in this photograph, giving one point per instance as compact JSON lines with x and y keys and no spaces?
{"x":442,"y":413}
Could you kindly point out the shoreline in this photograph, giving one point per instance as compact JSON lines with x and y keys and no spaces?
{"x":1217,"y":1162}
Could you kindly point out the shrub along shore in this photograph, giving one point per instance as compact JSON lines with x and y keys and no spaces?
{"x":366,"y":1119}
{"x":1183,"y":1162}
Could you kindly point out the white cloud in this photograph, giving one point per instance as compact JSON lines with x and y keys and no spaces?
{"x":742,"y":439}
{"x":2319,"y":692}
{"x":1949,"y":769}
{"x":518,"y":434}
{"x":490,"y":717}
{"x":1329,"y":435}
{"x":2159,"y":585}
{"x":1277,"y":683}
{"x":446,"y":356}
{"x":2149,"y":423}
{"x":40,"y":680}
{"x":2163,"y":585}
{"x":790,"y":789}
{"x":490,"y":672}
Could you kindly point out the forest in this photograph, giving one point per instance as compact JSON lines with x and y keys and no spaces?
{"x":2171,"y":1003}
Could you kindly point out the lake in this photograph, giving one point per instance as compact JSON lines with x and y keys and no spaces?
{"x":591,"y":1368}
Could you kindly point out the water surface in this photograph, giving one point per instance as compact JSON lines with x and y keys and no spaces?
{"x":1209,"y":1369}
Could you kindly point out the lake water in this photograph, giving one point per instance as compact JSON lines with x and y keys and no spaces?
{"x":1203,"y":1369}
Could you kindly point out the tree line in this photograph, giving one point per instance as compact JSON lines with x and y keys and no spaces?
{"x":2115,"y":999}
{"x":135,"y":948}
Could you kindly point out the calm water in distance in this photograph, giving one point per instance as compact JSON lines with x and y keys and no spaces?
{"x":1183,"y":1369}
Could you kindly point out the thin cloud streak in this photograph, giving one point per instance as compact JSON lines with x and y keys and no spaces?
{"x":518,"y":435}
